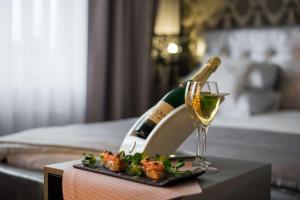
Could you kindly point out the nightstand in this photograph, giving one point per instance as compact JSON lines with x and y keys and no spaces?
{"x":236,"y":180}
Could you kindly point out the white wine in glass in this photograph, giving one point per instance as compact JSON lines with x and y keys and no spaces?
{"x":206,"y":106}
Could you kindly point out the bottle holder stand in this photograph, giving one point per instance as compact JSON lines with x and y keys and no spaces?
{"x":166,"y":136}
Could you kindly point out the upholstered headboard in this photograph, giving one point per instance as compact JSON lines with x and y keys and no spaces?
{"x":278,"y":45}
{"x":239,"y":48}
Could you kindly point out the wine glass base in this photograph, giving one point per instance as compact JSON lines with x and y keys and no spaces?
{"x":211,"y":170}
{"x":207,"y":163}
{"x":198,"y":162}
{"x":204,"y":165}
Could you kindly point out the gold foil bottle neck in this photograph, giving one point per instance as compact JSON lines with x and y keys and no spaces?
{"x":205,"y":71}
{"x":214,"y":62}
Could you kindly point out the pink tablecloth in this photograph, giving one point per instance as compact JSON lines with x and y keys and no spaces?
{"x":83,"y":185}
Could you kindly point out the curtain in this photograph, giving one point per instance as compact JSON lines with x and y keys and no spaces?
{"x":119,"y":68}
{"x":43,"y":62}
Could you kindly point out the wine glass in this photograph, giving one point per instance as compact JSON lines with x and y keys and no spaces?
{"x":205,"y":99}
{"x":194,"y":117}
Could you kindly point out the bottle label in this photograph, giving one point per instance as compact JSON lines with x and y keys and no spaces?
{"x":159,"y":111}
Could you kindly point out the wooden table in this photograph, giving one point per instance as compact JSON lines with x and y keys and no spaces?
{"x":236,"y":180}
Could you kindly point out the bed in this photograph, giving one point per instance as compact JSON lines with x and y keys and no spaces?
{"x":272,"y":136}
{"x":25,"y":153}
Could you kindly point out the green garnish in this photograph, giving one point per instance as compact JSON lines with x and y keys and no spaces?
{"x":90,"y":160}
{"x":134,"y":165}
{"x":136,"y":158}
{"x":168,"y":165}
{"x":179,"y":164}
{"x":121,"y":154}
{"x":134,"y":169}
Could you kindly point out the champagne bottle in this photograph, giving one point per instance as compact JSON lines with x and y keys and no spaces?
{"x":173,"y":99}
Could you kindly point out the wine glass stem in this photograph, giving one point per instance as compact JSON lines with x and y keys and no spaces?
{"x":200,"y":144}
{"x":198,"y":141}
{"x":204,"y":135}
{"x":204,"y":130}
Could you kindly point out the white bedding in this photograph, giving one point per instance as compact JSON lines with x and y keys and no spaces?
{"x":35,"y":148}
{"x":281,"y":122}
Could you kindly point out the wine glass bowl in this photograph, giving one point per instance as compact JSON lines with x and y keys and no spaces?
{"x":205,"y":102}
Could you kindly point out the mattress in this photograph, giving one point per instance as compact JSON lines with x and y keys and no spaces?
{"x":37,"y":147}
{"x":279,"y":122}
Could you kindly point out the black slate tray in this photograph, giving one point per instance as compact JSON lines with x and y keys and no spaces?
{"x":167,"y":180}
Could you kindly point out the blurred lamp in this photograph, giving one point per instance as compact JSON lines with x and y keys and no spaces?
{"x":172,"y":48}
{"x":166,"y":40}
{"x":168,"y":18}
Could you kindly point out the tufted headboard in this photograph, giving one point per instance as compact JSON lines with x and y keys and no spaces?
{"x":240,"y":48}
{"x":278,"y":45}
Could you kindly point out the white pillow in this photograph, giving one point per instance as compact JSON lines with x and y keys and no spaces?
{"x":228,"y":75}
{"x":235,"y":108}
